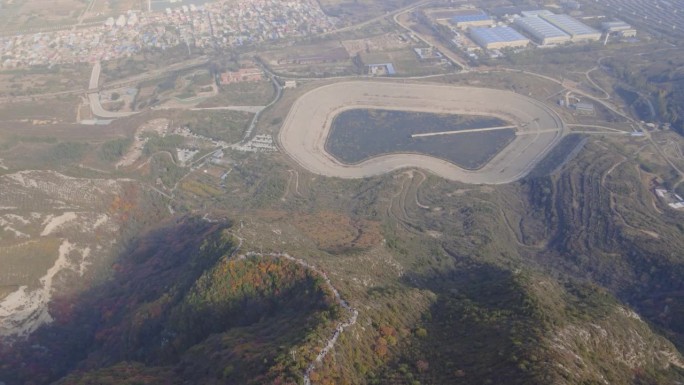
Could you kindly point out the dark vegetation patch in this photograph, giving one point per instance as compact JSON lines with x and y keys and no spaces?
{"x":177,"y":310}
{"x":114,"y":149}
{"x":219,"y":125}
{"x":635,"y":101}
{"x":361,"y":134}
{"x":605,"y":242}
{"x":567,"y":149}
{"x":461,"y":337}
{"x":661,"y":81}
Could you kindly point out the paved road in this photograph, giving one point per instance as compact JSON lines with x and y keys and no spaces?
{"x":95,"y":76}
{"x":252,"y":109}
{"x":462,"y":131}
{"x":613,"y":109}
{"x":94,"y":97}
{"x":99,"y":111}
{"x":306,"y":128}
{"x":430,"y":42}
{"x":93,"y":85}
{"x":377,"y":18}
{"x":279,"y":93}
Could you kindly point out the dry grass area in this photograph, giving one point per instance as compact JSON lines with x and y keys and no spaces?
{"x":388,"y":41}
{"x":22,"y":14}
{"x":25,"y":262}
{"x":103,"y":8}
{"x":241,"y":94}
{"x":25,"y":15}
{"x":335,"y":231}
{"x":156,"y":126}
{"x":39,"y":80}
{"x":55,"y":111}
{"x":328,"y":230}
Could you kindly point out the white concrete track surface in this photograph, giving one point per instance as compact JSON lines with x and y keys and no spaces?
{"x":94,"y":97}
{"x":305,"y":130}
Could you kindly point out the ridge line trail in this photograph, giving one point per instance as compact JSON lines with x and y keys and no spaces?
{"x":339,"y":329}
{"x":518,"y":241}
{"x":286,"y":193}
{"x":424,"y":178}
{"x":341,"y":326}
{"x":612,"y":199}
{"x":402,"y":216}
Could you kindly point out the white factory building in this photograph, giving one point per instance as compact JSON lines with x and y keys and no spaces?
{"x":577,"y":30}
{"x":536,"y":12}
{"x":476,"y":18}
{"x":497,"y":37}
{"x":542,"y":31}
{"x":546,"y":27}
{"x":620,"y":27}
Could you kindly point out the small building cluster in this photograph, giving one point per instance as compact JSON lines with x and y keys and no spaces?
{"x":382,"y":69}
{"x":185,"y":155}
{"x":670,"y":198}
{"x":260,"y":143}
{"x":618,"y":27}
{"x":252,"y":74}
{"x":428,"y":54}
{"x":584,"y":108}
{"x":662,"y":17}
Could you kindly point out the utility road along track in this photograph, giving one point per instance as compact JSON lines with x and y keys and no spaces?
{"x":462,"y":131}
{"x":94,"y":97}
{"x":306,"y":128}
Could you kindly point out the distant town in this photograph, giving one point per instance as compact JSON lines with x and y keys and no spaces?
{"x":212,"y":25}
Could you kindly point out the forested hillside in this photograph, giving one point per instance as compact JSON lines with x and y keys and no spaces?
{"x":570,"y":276}
{"x":178,"y":308}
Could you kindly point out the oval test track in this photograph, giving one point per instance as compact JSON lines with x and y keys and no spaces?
{"x":308,"y":123}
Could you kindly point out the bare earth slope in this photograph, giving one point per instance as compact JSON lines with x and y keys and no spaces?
{"x":52,"y":229}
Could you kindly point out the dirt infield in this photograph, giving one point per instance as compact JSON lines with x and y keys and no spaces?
{"x":307,"y":125}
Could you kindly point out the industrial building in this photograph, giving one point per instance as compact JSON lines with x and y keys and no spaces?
{"x":584,"y":108}
{"x":571,"y":5}
{"x":542,"y":31}
{"x":577,"y":30}
{"x":498,"y":37}
{"x":428,"y":54}
{"x":619,"y":27}
{"x":536,"y":12}
{"x":472,"y":19}
{"x":382,"y":69}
